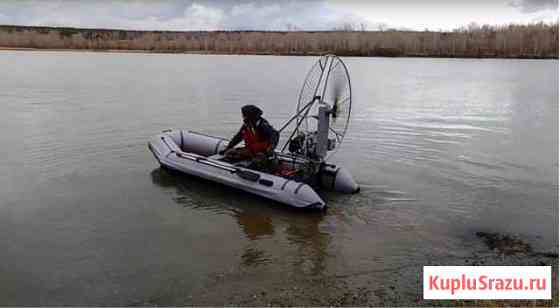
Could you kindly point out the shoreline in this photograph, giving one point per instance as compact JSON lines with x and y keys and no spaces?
{"x":202,"y":52}
{"x":398,"y":287}
{"x":531,"y":41}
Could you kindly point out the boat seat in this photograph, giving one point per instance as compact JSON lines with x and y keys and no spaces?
{"x":216,"y":157}
{"x":243,"y":163}
{"x":249,"y":163}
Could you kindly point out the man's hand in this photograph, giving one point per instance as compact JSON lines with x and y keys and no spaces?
{"x":226,"y":151}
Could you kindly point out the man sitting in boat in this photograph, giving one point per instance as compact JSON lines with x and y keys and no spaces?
{"x":259,"y":136}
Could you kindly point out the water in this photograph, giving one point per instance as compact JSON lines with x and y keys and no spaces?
{"x":442,"y":148}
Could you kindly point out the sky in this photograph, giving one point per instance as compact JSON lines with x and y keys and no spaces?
{"x":274,"y":14}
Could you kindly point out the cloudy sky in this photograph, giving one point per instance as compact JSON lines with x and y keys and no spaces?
{"x":274,"y":14}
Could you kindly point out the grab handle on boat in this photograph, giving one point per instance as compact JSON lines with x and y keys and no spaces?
{"x":247,"y":175}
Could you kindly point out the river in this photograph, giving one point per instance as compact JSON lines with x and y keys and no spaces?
{"x":442,"y":149}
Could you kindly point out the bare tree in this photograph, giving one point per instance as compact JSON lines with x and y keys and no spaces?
{"x":538,"y":40}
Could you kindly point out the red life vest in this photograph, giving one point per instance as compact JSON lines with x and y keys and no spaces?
{"x":253,"y":141}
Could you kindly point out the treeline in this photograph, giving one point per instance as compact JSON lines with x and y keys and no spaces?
{"x":513,"y":41}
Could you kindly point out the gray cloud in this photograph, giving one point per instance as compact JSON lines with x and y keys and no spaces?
{"x":261,"y":14}
{"x":177,"y":15}
{"x":531,"y":6}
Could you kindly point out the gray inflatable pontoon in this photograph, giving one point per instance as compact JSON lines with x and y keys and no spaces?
{"x":196,"y":154}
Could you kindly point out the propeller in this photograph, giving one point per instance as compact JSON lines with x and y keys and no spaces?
{"x":329,"y":81}
{"x":337,"y":92}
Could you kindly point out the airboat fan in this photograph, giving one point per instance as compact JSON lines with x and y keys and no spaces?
{"x":323,"y":110}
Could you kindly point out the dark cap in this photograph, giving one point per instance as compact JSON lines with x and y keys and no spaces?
{"x":251,"y":111}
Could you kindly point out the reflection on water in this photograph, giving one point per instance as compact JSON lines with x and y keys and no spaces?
{"x":258,"y":218}
{"x":254,"y":257}
{"x":254,"y":223}
{"x":312,"y":245}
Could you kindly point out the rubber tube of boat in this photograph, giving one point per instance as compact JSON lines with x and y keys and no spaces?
{"x":337,"y":179}
{"x":201,"y":144}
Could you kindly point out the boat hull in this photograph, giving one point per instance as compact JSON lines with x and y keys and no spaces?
{"x":191,"y":153}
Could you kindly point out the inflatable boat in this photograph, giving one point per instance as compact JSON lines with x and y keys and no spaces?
{"x":197,"y":154}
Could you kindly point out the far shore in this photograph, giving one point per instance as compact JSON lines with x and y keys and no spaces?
{"x":533,"y":41}
{"x":202,"y":52}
